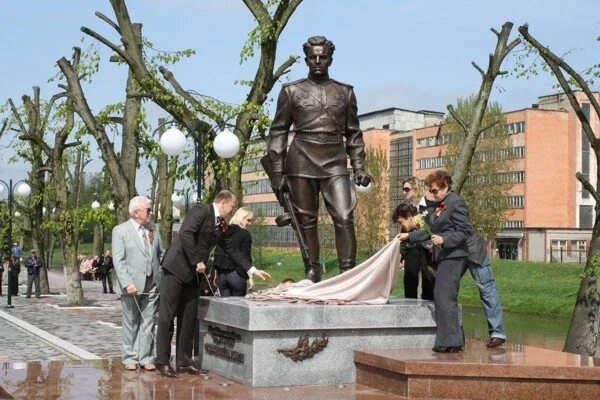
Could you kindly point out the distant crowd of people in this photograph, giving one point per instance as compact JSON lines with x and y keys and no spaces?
{"x":97,"y":268}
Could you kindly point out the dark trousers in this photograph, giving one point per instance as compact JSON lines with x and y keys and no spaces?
{"x":107,"y":277}
{"x":414,"y":263}
{"x":15,"y":283}
{"x":30,"y":280}
{"x":447,"y":285}
{"x":177,"y":299}
{"x":1,"y":272}
{"x":231,"y":283}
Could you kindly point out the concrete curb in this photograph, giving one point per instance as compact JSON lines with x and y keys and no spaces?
{"x":55,"y":341}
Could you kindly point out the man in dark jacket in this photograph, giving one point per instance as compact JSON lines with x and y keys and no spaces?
{"x":33,"y":265}
{"x":185,"y":259}
{"x":106,"y":266}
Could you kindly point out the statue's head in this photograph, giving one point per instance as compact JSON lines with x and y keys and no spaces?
{"x":319,"y":55}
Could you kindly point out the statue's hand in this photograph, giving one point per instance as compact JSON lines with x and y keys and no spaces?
{"x":361,"y":178}
{"x":278,"y":184}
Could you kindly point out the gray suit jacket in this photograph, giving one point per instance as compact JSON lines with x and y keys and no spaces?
{"x":453,"y":225}
{"x":130,"y":257}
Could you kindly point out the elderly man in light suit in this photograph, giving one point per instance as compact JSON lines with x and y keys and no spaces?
{"x":137,"y":252}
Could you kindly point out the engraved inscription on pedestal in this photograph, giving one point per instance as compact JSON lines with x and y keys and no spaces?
{"x":226,"y":338}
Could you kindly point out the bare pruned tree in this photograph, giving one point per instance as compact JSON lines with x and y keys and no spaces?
{"x":67,"y":221}
{"x":474,"y":127}
{"x":190,"y":110}
{"x":584,"y":330}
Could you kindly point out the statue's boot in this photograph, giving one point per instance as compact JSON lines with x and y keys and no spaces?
{"x":345,"y":242}
{"x":314,"y":272}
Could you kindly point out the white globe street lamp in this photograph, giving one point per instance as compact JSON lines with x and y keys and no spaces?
{"x":111,"y":206}
{"x":24,"y":189}
{"x":172,"y":142}
{"x":95,"y":205}
{"x":17,"y":214}
{"x":226,"y":144}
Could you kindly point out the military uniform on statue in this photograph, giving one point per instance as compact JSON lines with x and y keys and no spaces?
{"x":184,"y":267}
{"x":323,"y":113}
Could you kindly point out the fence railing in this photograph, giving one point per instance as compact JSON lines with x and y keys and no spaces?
{"x":562,"y":255}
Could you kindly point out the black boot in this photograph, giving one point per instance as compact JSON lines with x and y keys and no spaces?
{"x":346,"y":265}
{"x":314,"y":272}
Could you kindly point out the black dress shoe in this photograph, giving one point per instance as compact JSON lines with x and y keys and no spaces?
{"x":166,"y":370}
{"x":447,"y":349}
{"x":190,"y":369}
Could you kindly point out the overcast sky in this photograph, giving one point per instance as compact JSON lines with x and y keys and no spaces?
{"x":407,"y":54}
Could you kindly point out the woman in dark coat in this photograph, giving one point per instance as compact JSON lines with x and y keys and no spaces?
{"x":232,"y":277}
{"x":451,"y":227}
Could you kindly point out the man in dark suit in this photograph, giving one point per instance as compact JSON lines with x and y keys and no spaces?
{"x":33,"y":265}
{"x":200,"y":231}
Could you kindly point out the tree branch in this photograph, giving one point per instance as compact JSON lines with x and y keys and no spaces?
{"x":260,"y":12}
{"x":73,"y":144}
{"x":458,"y":119}
{"x":282,"y":15}
{"x":4,"y":126}
{"x":555,"y":64}
{"x":283,"y":69}
{"x":169,"y":77}
{"x":17,"y":116}
{"x":108,"y":21}
{"x":588,"y":186}
{"x":478,"y":68}
{"x":105,"y":41}
{"x":490,"y":126}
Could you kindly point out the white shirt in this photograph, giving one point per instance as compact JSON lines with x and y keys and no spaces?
{"x":217,"y":215}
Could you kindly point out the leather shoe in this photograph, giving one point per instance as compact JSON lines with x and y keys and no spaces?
{"x":447,"y":349}
{"x":166,"y":370}
{"x":495,"y":342}
{"x":190,"y":369}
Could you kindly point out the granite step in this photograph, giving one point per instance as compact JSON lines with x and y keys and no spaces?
{"x":511,"y":372}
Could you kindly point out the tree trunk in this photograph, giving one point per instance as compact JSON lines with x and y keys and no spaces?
{"x":584,"y":330}
{"x":98,"y":247}
{"x":71,"y":270}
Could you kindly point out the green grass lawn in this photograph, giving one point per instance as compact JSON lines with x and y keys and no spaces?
{"x":525,"y":287}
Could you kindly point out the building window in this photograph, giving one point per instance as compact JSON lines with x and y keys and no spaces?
{"x":586,"y":217}
{"x":513,"y":224}
{"x":558,"y":244}
{"x":431,"y":141}
{"x":386,"y":126}
{"x":259,"y":186}
{"x":515,"y":127}
{"x":516,"y":201}
{"x":503,"y":154}
{"x":432,"y":162}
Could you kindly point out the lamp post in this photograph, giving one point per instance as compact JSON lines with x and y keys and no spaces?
{"x":226,"y":145}
{"x":22,"y":189}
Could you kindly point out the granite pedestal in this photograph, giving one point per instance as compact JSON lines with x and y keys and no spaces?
{"x":282,"y":344}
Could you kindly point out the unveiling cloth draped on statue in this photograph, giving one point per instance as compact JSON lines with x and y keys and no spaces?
{"x":368,"y":283}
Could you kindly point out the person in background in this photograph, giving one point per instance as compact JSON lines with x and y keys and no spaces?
{"x":106,"y":266}
{"x":33,"y":264}
{"x":232,"y":277}
{"x":411,"y":188}
{"x":3,"y":266}
{"x":96,"y":263}
{"x":417,"y":256}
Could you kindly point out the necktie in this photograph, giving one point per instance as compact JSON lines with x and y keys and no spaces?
{"x":221,"y":224}
{"x":147,"y":248}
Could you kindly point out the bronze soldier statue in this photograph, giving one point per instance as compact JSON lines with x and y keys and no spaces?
{"x":323,"y":113}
